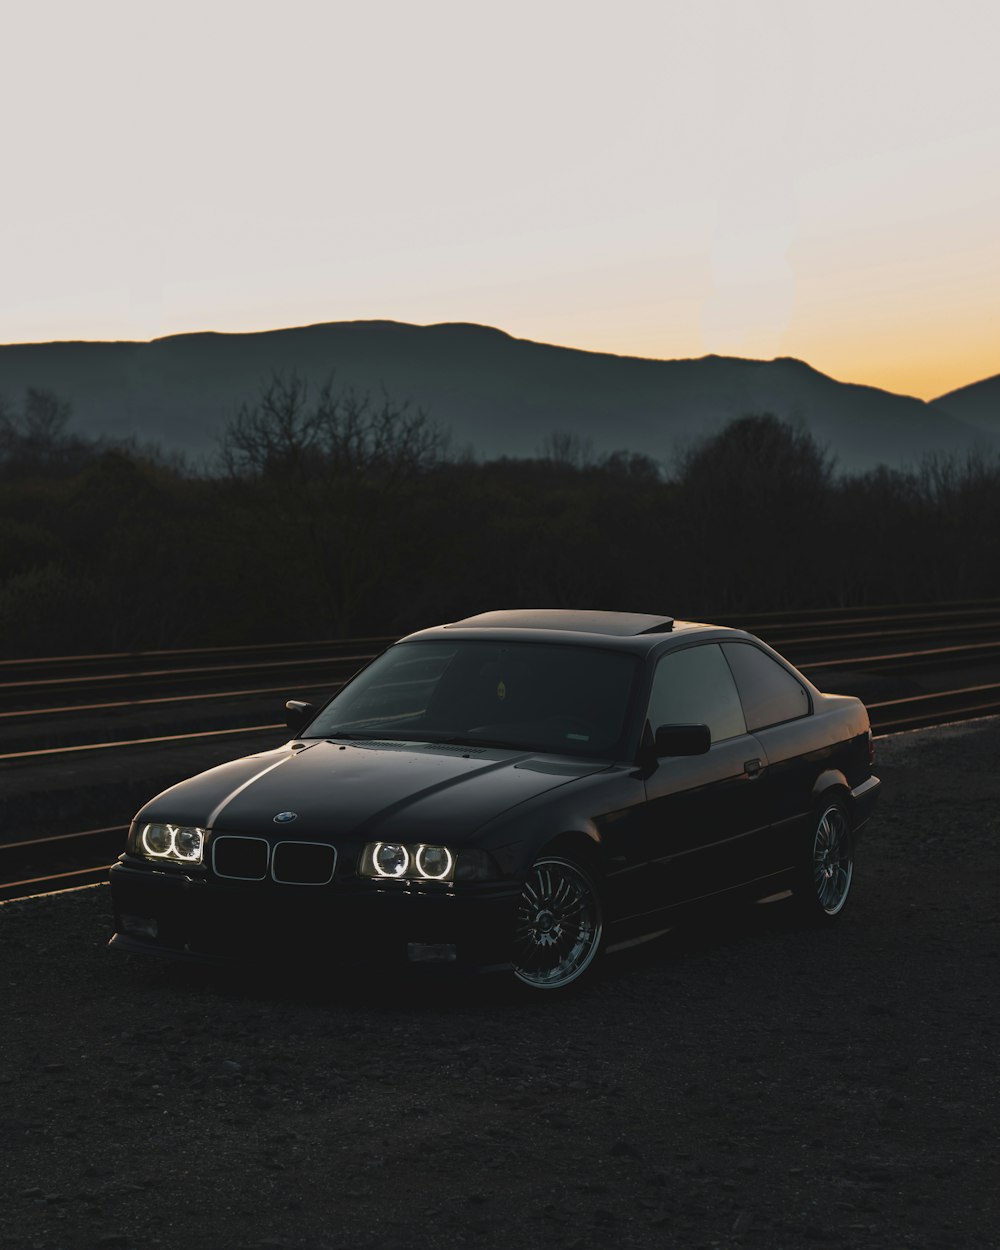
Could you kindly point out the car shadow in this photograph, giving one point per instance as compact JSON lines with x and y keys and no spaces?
{"x":379,"y":987}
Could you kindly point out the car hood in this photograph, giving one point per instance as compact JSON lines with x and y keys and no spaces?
{"x":378,"y":790}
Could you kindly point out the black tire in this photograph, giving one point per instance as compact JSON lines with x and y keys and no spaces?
{"x":827,"y":871}
{"x":559,"y":927}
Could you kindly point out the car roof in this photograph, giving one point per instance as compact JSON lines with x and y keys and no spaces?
{"x":627,"y":631}
{"x":618,"y":624}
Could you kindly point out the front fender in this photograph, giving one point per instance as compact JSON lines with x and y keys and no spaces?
{"x":589,"y":808}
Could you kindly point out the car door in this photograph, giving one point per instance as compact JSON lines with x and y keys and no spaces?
{"x":701,"y":812}
{"x":776,"y":705}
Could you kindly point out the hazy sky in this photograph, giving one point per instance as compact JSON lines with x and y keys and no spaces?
{"x":667,"y":179}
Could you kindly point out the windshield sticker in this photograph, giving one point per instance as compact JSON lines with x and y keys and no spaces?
{"x":501,"y":692}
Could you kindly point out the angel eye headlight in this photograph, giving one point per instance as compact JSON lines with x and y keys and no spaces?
{"x":156,"y":840}
{"x":390,"y":859}
{"x":413,"y":862}
{"x":182,"y":844}
{"x":189,"y":843}
{"x":434,"y":862}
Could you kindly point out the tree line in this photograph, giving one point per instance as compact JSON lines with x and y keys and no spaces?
{"x":329,"y":513}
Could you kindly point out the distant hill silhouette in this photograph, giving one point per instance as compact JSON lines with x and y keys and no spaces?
{"x":496,"y":394}
{"x":977,"y":405}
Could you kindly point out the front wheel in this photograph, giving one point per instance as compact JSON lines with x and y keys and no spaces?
{"x":559,"y":924}
{"x":825,"y":880}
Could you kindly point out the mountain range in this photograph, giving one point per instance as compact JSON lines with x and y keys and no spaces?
{"x":495,"y":394}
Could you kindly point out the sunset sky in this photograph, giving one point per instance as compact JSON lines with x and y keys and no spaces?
{"x":661,"y":179}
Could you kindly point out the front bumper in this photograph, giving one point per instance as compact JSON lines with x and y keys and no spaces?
{"x":201,"y":919}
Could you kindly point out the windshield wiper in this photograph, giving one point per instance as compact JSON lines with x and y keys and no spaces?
{"x":430,"y":738}
{"x":469,"y":741}
{"x":373,"y":735}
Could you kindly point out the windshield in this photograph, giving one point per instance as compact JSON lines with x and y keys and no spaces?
{"x":527,"y":696}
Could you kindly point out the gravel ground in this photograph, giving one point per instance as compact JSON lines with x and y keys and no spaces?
{"x":751,"y":1085}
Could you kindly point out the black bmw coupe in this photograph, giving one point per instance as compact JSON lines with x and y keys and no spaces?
{"x":519,"y":790}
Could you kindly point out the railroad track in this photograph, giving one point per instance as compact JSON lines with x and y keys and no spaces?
{"x":106,"y":701}
{"x":913,"y":665}
{"x":67,"y":701}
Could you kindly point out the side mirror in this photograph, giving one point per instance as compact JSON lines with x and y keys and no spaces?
{"x":298,"y":715}
{"x":682,"y":740}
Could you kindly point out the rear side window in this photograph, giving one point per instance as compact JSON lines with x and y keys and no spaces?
{"x":770,"y":694}
{"x":696,"y":687}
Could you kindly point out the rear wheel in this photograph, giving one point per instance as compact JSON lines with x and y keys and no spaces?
{"x":825,"y":879}
{"x":559,"y":925}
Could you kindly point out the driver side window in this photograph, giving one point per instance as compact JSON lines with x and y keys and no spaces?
{"x":695,"y":687}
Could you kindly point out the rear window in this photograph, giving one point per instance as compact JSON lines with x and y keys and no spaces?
{"x":769,"y":693}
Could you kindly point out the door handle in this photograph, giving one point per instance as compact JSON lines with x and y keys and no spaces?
{"x":753,"y":768}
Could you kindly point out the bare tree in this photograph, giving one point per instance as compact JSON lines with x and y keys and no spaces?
{"x":330,"y":476}
{"x":567,"y":450}
{"x":338,"y":433}
{"x":35,"y":437}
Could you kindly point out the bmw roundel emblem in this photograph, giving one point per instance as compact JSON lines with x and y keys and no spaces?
{"x":285,"y":818}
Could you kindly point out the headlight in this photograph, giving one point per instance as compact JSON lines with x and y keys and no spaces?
{"x":435,"y":862}
{"x":418,"y":862}
{"x":156,"y":840}
{"x":181,"y":844}
{"x":390,"y":859}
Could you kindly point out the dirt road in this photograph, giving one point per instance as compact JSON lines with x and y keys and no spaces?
{"x":754,"y":1085}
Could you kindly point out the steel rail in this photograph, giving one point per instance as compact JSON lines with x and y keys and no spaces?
{"x":178,"y":672}
{"x":55,"y":876}
{"x":975,"y":711}
{"x":170,"y":698}
{"x":900,"y":655}
{"x":936,"y":694}
{"x":61,"y":837}
{"x":139,"y":742}
{"x":930,"y":716}
{"x":863,"y":636}
{"x":793,"y":621}
{"x":891,"y":611}
{"x":228,"y":650}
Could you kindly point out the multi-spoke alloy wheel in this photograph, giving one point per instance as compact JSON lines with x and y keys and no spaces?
{"x":832,"y":860}
{"x":559,"y":925}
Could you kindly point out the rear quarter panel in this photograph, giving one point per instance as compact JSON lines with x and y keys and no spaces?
{"x":809,"y":758}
